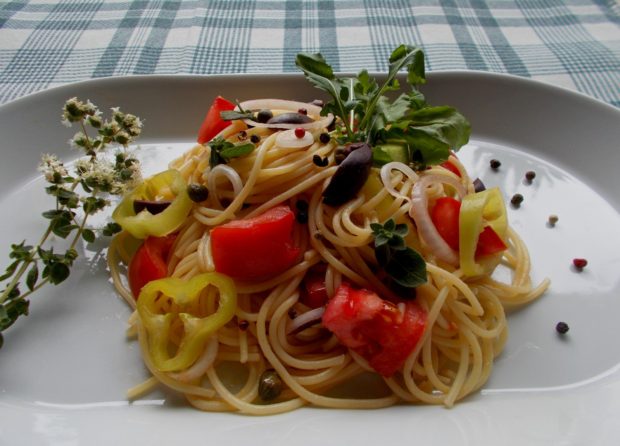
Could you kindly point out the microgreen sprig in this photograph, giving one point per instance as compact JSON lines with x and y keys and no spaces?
{"x":77,"y":197}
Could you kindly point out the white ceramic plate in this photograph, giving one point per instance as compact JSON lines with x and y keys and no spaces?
{"x":65,"y":368}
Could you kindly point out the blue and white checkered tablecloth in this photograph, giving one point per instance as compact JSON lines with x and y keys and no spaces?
{"x":43,"y":43}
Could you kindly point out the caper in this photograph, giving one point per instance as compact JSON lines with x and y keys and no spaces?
{"x":197,"y":192}
{"x":270,"y":385}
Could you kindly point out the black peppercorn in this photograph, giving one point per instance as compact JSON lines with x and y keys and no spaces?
{"x":321,"y":162}
{"x":495,"y":164}
{"x":255,"y":139}
{"x":324,"y":138}
{"x":243,"y":325}
{"x":562,"y":327}
{"x":301,"y":205}
{"x":516,"y":200}
{"x":530,"y":175}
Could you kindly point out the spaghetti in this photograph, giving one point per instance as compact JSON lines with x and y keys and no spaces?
{"x":272,"y":328}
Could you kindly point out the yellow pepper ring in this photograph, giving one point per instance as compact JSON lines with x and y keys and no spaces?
{"x":197,"y":329}
{"x":476,"y":210}
{"x":167,"y":184}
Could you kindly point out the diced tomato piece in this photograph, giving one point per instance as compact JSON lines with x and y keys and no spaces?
{"x":375,"y":328}
{"x":445,"y":217}
{"x":489,"y":242}
{"x":451,"y":167}
{"x":213,"y":124}
{"x":314,"y":290}
{"x":150,"y":262}
{"x":255,"y":248}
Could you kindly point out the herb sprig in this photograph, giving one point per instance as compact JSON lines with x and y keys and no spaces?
{"x":223,"y":151}
{"x":403,"y":264}
{"x":427,"y":133}
{"x":77,"y":196}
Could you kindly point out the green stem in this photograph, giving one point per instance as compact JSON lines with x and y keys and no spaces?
{"x":24,"y":267}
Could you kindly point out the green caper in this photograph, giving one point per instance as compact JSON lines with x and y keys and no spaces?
{"x":197,"y":192}
{"x":270,"y":385}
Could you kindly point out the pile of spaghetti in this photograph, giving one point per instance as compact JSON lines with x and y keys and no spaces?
{"x":320,"y":254}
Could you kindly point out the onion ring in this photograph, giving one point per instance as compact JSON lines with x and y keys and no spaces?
{"x":419,"y":212}
{"x":386,"y":170}
{"x":305,"y":320}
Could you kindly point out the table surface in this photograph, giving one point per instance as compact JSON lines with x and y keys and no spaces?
{"x":45,"y":43}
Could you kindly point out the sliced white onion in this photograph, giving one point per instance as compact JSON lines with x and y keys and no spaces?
{"x":288,"y":140}
{"x":419,"y":213}
{"x":386,"y":171}
{"x":282,"y":104}
{"x":322,"y":123}
{"x":279,"y":104}
{"x":229,"y":173}
{"x":305,"y":320}
{"x":201,"y":365}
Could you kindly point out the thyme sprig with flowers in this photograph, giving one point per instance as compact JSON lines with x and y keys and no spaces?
{"x":78,"y":195}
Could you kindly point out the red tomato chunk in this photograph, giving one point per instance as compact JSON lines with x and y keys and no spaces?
{"x":445,"y":217}
{"x":255,"y":248}
{"x":375,"y":328}
{"x":150,"y":262}
{"x":213,"y":124}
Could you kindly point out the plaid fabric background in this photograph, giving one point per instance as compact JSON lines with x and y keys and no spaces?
{"x":573,"y":43}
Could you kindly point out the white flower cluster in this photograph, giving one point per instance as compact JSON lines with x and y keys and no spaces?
{"x":52,"y":168}
{"x":75,"y":110}
{"x":101,"y":174}
{"x":122,"y":128}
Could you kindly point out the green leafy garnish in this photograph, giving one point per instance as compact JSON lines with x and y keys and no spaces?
{"x":223,"y":151}
{"x":427,"y":133}
{"x":77,"y":195}
{"x":231,"y":115}
{"x":403,"y":264}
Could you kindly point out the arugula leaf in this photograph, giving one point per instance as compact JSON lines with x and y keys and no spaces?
{"x":429,"y":133}
{"x":404,"y":55}
{"x":321,"y":75}
{"x":223,"y":151}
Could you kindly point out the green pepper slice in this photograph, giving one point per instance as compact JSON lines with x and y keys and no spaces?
{"x":486,"y":207}
{"x":163,"y":186}
{"x":196,"y":329}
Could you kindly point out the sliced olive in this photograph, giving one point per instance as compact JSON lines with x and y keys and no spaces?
{"x":269,"y":385}
{"x":350,"y":176}
{"x":264,"y":115}
{"x":290,"y":118}
{"x":153,"y":207}
{"x":479,"y":185}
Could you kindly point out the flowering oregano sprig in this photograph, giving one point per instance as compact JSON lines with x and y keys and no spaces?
{"x":77,"y":196}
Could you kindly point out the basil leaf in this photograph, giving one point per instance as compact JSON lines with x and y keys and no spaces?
{"x":407,"y":267}
{"x":237,"y":151}
{"x":443,"y":123}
